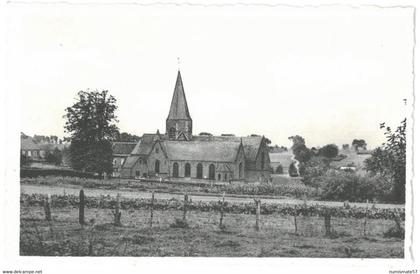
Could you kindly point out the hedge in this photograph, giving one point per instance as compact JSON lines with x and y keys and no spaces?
{"x":34,"y":172}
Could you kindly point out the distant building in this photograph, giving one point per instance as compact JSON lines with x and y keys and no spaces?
{"x":30,"y":148}
{"x":283,"y":159}
{"x":180,"y":154}
{"x":37,"y":151}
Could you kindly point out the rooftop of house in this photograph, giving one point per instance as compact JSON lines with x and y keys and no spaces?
{"x":123,"y":148}
{"x":28,"y":143}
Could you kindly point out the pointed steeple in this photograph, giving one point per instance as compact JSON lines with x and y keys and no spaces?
{"x":179,"y":119}
{"x":179,"y":107}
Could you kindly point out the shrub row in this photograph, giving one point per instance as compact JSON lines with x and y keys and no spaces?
{"x":35,"y":172}
{"x":271,"y":189}
{"x":107,"y":202}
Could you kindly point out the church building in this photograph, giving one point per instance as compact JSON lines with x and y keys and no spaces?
{"x":180,"y":155}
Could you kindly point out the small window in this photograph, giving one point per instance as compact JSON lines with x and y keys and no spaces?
{"x":225,"y":177}
{"x":137,"y":173}
{"x":157,"y":150}
{"x":219,"y":177}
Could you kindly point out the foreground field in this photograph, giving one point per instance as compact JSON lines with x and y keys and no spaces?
{"x":63,"y":236}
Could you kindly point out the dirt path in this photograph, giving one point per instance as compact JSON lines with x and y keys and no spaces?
{"x":127,"y":193}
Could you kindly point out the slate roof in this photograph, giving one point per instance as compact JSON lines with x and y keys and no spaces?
{"x":144,"y":146}
{"x":179,"y":107}
{"x":251,"y":144}
{"x":123,"y":148}
{"x":28,"y":144}
{"x":251,"y":147}
{"x":202,"y":150}
{"x":131,"y":161}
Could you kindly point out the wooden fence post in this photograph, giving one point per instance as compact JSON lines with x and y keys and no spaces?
{"x":397,"y":221}
{"x":81,"y":207}
{"x":294,"y":217}
{"x":365,"y":219}
{"x":221,"y":226}
{"x":185,"y":208}
{"x":257,"y":214}
{"x":151,"y":209}
{"x":117,"y":213}
{"x":327,"y":221}
{"x":47,"y":208}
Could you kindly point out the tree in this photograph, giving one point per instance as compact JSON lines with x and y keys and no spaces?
{"x":300,"y":151}
{"x":24,"y":160}
{"x":389,"y":162}
{"x":126,"y":137}
{"x":266,"y":141}
{"x":359,"y":143}
{"x":279,"y":169}
{"x":55,"y":157}
{"x":91,"y":124}
{"x":314,"y":171}
{"x":329,"y":151}
{"x":292,"y":170}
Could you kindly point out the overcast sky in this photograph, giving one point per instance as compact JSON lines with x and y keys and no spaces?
{"x":327,"y":74}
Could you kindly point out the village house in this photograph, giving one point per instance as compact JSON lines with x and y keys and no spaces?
{"x":180,"y":154}
{"x":30,"y":148}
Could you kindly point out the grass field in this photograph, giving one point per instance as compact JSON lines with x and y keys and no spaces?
{"x":63,"y":236}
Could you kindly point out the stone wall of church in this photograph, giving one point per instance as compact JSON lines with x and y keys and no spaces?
{"x":157,"y":155}
{"x":239,"y":167}
{"x":257,"y":176}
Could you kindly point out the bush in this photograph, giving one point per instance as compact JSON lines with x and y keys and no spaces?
{"x":33,"y":172}
{"x":179,"y":223}
{"x":279,"y":169}
{"x":394,"y":232}
{"x":293,"y":171}
{"x":342,"y":186}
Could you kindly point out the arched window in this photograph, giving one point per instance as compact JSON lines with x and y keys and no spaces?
{"x":187,"y":171}
{"x":172,"y":131}
{"x":199,"y":171}
{"x":157,"y":166}
{"x":241,"y":171}
{"x":175,"y":170}
{"x":219,"y":177}
{"x":212,"y":172}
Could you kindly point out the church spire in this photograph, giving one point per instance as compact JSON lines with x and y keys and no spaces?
{"x":179,"y":119}
{"x":179,"y":106}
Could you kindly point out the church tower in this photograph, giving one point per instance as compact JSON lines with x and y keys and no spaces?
{"x":179,"y":122}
